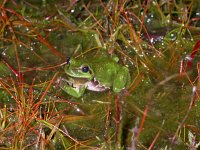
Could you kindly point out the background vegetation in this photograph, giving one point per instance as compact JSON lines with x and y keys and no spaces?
{"x":157,"y":40}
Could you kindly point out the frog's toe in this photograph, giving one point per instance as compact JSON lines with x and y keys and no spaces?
{"x":116,"y":90}
{"x":124,"y":92}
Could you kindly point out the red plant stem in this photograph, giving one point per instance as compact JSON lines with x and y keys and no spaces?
{"x":117,"y":119}
{"x":181,"y":68}
{"x":72,"y":3}
{"x":41,"y":39}
{"x":181,"y":124}
{"x":44,"y":94}
{"x":198,"y":69}
{"x":5,"y":17}
{"x":144,"y":14}
{"x":107,"y":116}
{"x":18,"y":64}
{"x":53,"y":29}
{"x":11,"y":68}
{"x":154,"y":141}
{"x":136,"y":84}
{"x":143,"y":119}
{"x":144,"y":28}
{"x":9,"y":92}
{"x":107,"y":13}
{"x":97,"y":21}
{"x":198,"y":82}
{"x":13,"y":12}
{"x":37,"y":133}
{"x":193,"y":54}
{"x":53,"y":50}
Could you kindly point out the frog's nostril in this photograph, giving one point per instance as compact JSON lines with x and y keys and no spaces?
{"x":85,"y":69}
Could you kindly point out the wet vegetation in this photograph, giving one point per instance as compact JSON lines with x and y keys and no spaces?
{"x":157,"y":40}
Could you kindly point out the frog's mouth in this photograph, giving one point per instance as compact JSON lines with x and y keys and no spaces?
{"x":77,"y":83}
{"x":94,"y":85}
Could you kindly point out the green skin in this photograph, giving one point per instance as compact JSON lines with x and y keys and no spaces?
{"x":102,"y":73}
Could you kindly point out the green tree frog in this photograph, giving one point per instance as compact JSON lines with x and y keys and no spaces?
{"x":96,"y":74}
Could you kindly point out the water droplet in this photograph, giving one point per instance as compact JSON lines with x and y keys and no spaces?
{"x":188,"y":58}
{"x":152,"y":39}
{"x":148,"y":20}
{"x":129,"y":41}
{"x":194,"y":89}
{"x":168,"y":20}
{"x":141,"y":55}
{"x":173,"y":37}
{"x":78,"y":110}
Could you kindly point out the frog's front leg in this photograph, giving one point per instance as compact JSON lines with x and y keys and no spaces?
{"x":121,"y":80}
{"x":73,"y":90}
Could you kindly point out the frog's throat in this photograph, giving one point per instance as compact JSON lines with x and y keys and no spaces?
{"x":94,"y":85}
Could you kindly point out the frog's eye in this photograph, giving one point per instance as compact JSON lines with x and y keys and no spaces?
{"x":68,"y":60}
{"x":85,"y":69}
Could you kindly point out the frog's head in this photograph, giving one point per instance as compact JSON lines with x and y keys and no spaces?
{"x":78,"y":69}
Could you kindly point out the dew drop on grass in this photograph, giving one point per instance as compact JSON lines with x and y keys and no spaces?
{"x":152,"y":40}
{"x":148,"y":20}
{"x":78,"y":110}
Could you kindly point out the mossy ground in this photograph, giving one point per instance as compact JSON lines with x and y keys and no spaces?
{"x":157,"y":40}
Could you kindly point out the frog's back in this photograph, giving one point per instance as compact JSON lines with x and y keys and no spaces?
{"x":105,"y":69}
